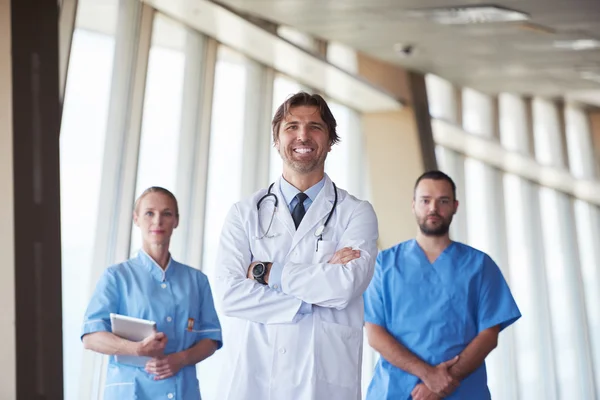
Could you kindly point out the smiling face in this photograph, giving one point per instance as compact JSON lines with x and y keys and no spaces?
{"x":434,"y":206}
{"x":303,"y":141}
{"x":156,"y":216}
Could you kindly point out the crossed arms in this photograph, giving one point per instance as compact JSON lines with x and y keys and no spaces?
{"x":441,"y":380}
{"x":321,"y":284}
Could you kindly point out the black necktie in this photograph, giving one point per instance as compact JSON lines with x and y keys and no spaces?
{"x":299,"y":211}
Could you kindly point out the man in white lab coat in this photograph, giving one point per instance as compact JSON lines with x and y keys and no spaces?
{"x":293,"y":262}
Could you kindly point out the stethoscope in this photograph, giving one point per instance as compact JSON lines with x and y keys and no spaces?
{"x":318,"y":233}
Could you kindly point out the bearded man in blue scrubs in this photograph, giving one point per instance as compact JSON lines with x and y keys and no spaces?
{"x":435,"y":307}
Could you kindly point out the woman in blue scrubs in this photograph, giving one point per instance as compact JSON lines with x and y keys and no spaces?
{"x":155,"y":287}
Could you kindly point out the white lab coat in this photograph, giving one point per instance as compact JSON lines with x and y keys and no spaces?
{"x":271,"y":351}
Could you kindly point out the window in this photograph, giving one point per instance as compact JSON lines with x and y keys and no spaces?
{"x":547,"y":134}
{"x":579,"y":143}
{"x":159,"y":143}
{"x":226,"y":139}
{"x":569,"y":329}
{"x":526,"y":264}
{"x":283,"y":87}
{"x":478,"y":113}
{"x":337,"y":165}
{"x":587,"y":218}
{"x":82,"y":141}
{"x":441,"y":96}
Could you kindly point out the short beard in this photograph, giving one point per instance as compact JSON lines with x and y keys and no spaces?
{"x":438,"y":231}
{"x":303,"y":168}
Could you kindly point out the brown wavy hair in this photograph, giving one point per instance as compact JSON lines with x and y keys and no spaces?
{"x":310,"y":100}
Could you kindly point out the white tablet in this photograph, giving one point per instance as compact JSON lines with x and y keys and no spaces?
{"x":134,"y":329}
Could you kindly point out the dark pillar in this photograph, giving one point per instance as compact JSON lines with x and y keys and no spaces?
{"x":36,"y":126}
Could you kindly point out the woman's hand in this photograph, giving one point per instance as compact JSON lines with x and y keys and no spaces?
{"x":153,"y":345}
{"x":165,"y":367}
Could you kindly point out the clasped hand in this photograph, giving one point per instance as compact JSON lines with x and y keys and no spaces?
{"x":159,"y":365}
{"x":437,"y":383}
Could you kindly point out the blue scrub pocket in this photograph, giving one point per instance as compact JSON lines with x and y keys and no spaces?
{"x":192,"y":334}
{"x":120,"y":391}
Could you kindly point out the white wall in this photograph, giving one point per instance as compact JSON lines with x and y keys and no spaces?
{"x":7,"y":293}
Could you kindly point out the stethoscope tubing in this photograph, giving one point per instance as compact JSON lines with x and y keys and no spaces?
{"x":320,"y":230}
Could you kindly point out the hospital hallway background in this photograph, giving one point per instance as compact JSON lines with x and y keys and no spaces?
{"x":100,"y":99}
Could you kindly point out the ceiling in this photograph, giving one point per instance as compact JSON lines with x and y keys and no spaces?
{"x":492,"y":58}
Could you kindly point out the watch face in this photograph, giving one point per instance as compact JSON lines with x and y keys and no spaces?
{"x":258,"y":270}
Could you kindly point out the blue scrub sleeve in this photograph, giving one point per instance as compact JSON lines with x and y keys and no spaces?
{"x":104,"y":301}
{"x":496,"y":304}
{"x":373,"y":296}
{"x":210,"y":327}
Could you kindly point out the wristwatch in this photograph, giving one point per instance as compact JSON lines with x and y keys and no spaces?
{"x":259,"y":271}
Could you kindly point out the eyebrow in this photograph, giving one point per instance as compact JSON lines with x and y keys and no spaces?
{"x":310,"y":123}
{"x":430,"y":197}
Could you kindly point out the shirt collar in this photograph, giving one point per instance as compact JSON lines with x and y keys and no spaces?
{"x":152,"y":266}
{"x":289,"y":191}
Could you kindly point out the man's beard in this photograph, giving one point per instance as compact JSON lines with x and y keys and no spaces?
{"x":304,"y":166}
{"x":439,"y":230}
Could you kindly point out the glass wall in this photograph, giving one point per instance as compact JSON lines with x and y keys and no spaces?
{"x":540,"y":237}
{"x":82,"y":139}
{"x":161,"y":122}
{"x":283,"y":87}
{"x":223,"y":190}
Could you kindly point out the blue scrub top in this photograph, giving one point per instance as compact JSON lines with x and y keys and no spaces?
{"x":435,"y":310}
{"x":140,"y":288}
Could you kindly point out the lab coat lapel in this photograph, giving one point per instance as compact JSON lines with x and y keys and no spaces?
{"x":283,"y":212}
{"x":317,"y":212}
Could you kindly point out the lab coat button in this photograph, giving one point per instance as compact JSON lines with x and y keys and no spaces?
{"x":169,"y":319}
{"x":170,"y":395}
{"x":282,"y":350}
{"x":275,"y":286}
{"x":164,"y":285}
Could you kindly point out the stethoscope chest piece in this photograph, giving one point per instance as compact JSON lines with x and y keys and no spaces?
{"x":320,"y":230}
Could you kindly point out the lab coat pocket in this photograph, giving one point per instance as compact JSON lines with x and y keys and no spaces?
{"x":324,"y":251}
{"x":120,"y":391}
{"x":338,"y":354}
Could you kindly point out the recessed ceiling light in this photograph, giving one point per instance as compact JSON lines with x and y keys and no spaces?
{"x":579,"y":44}
{"x":470,"y":15}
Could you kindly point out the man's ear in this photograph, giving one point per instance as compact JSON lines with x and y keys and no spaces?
{"x":135,"y":219}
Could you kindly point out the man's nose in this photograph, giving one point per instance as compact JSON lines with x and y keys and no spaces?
{"x":433,"y":206}
{"x":302,"y":133}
